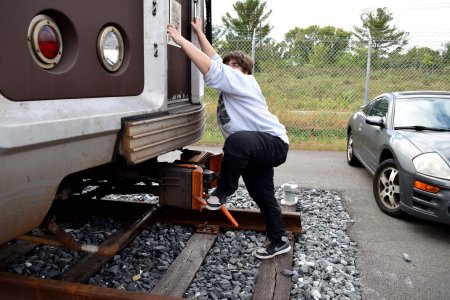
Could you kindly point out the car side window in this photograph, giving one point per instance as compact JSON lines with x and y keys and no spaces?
{"x":378,"y":108}
{"x":368,"y":108}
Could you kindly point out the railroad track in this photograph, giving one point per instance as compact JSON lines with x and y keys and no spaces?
{"x":270,"y":284}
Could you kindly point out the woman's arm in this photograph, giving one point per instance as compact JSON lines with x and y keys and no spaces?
{"x":199,"y":58}
{"x":207,"y":48}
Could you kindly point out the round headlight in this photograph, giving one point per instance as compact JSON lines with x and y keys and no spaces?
{"x":110,"y":48}
{"x":44,"y":41}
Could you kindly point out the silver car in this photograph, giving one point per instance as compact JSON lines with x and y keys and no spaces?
{"x":403,"y":139}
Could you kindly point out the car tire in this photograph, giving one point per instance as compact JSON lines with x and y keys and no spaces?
{"x":386,"y":188}
{"x":351,"y":158}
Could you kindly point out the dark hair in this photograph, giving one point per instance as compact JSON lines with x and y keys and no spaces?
{"x":243,"y":60}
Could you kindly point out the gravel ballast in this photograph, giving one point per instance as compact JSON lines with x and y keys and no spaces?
{"x":324,"y":264}
{"x":325,"y":256}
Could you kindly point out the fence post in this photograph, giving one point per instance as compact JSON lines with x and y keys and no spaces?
{"x":369,"y":58}
{"x":253,"y":50}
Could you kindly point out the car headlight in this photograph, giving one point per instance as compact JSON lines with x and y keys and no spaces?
{"x":432,"y":164}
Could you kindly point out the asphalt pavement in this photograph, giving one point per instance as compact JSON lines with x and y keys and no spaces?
{"x":382,"y":240}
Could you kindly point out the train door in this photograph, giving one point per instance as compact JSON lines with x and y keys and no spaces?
{"x":179,"y":65}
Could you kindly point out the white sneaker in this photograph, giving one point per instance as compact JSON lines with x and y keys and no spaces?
{"x":213,"y":203}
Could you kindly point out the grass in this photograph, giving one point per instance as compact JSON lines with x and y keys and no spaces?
{"x":315,"y":103}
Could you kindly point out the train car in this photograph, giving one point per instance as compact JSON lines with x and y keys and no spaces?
{"x":89,"y":87}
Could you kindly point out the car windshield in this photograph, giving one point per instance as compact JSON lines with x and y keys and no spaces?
{"x":425,"y":113}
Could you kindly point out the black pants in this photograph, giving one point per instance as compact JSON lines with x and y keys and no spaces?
{"x":254,"y":155}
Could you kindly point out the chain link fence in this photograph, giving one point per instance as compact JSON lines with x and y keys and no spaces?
{"x":314,"y":89}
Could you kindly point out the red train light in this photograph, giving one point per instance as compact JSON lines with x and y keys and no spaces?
{"x":48,"y":41}
{"x":45,"y":41}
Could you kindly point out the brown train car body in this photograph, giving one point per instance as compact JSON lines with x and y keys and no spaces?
{"x":75,"y":114}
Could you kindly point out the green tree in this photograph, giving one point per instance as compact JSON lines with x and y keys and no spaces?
{"x":268,"y":57}
{"x":299,"y":44}
{"x":251,"y":18}
{"x":423,"y":57}
{"x":220,"y":44}
{"x":385,"y":38}
{"x":356,"y":58}
{"x":446,"y":55}
{"x":323,"y":45}
{"x":336,"y":42}
{"x":318,"y":56}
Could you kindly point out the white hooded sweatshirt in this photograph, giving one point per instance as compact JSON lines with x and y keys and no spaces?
{"x":241,"y":106}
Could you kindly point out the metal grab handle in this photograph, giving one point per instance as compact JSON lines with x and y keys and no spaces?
{"x":195,"y":8}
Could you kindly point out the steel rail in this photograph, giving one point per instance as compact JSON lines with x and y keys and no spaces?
{"x":248,"y":219}
{"x":19,"y":287}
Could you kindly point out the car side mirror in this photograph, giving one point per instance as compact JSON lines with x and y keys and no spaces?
{"x":375,"y":120}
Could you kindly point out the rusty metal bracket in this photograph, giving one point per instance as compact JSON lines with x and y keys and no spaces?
{"x":207,"y":228}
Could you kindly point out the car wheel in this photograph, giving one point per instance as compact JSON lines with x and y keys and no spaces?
{"x":386,"y":188}
{"x":351,"y":158}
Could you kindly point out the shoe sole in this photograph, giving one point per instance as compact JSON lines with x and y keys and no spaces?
{"x":215,"y":207}
{"x":275,"y":254}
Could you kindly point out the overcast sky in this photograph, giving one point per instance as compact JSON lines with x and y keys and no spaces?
{"x":426,"y":21}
